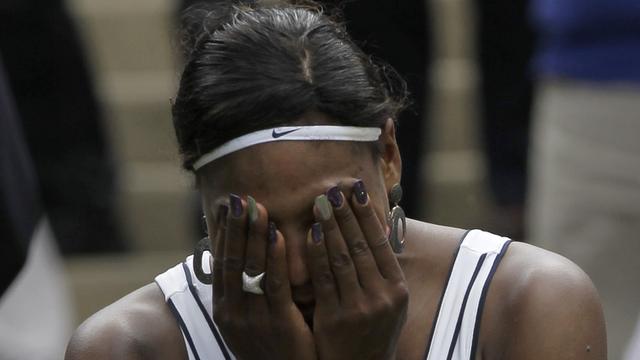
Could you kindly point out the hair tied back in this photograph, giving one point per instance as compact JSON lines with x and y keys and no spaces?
{"x":251,"y":65}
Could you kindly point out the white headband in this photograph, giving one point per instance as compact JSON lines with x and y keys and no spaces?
{"x":286,"y":133}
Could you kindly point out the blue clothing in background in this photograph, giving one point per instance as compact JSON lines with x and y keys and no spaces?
{"x":593,"y":40}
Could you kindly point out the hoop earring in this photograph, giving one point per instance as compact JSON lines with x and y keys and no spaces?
{"x":203,"y":245}
{"x":205,"y":228}
{"x":397,"y":219}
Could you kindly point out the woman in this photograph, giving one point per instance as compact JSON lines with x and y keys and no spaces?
{"x":289,"y":130}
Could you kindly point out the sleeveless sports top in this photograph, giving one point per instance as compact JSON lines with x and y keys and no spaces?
{"x":455,"y":328}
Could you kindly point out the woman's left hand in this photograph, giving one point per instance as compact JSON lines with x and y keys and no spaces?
{"x":361,"y":292}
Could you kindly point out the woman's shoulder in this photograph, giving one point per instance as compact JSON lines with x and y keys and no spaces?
{"x":546,"y":303}
{"x":530,"y":276}
{"x":521,"y":268}
{"x":138,"y":326}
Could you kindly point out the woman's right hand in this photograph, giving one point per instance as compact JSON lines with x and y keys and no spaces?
{"x":268,"y":326}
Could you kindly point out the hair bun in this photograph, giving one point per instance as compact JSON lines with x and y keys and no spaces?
{"x":253,"y":65}
{"x":201,"y":20}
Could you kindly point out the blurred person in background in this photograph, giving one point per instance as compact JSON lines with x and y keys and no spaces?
{"x":19,"y":204}
{"x":504,"y":43}
{"x":19,"y":208}
{"x":585,"y":174}
{"x":62,"y":123}
{"x":31,"y":270}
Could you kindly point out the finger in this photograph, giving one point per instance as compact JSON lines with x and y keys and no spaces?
{"x":337,"y":251}
{"x":218,"y":255}
{"x":374,"y":233}
{"x":257,"y":238}
{"x":277,"y":287}
{"x":254,"y":263}
{"x":365,"y":265}
{"x":234,"y":247}
{"x":322,"y":279}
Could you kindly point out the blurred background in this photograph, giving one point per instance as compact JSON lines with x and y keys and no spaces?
{"x":118,"y":72}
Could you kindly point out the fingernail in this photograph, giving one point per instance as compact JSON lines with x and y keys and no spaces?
{"x":316,"y":232}
{"x":236,"y":205}
{"x":335,"y":197}
{"x":322,"y":203}
{"x":252,"y":209}
{"x":360,"y":192}
{"x":273,"y":236}
{"x":223,"y":210}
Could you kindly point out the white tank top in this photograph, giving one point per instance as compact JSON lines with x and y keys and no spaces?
{"x":454,"y":332}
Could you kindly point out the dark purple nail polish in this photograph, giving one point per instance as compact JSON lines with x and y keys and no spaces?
{"x":335,"y":197}
{"x":360,"y":192}
{"x":316,"y":232}
{"x":223,"y":210}
{"x":236,"y":205}
{"x":273,"y":236}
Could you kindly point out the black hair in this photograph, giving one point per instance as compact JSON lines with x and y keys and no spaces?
{"x":251,"y":66}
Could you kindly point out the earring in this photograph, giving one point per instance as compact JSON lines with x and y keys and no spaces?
{"x":203,"y":245}
{"x":397,"y":219}
{"x":205,"y":228}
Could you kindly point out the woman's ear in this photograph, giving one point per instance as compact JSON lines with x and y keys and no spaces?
{"x":390,"y":157}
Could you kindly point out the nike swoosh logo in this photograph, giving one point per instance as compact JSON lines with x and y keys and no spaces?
{"x":276,"y":135}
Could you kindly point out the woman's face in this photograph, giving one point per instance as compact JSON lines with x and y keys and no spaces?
{"x":286,"y":176}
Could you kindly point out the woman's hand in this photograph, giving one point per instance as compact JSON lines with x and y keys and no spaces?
{"x":361,"y":293}
{"x":267,"y":326}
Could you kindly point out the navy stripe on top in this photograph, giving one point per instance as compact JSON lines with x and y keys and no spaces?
{"x":444,"y":290}
{"x":194,"y":293}
{"x":483,"y":296}
{"x":184,"y":329}
{"x":463,"y":307}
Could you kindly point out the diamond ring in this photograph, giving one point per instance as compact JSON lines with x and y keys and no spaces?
{"x":252,"y":284}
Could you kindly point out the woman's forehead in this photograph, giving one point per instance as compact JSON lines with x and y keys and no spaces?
{"x":267,"y":171}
